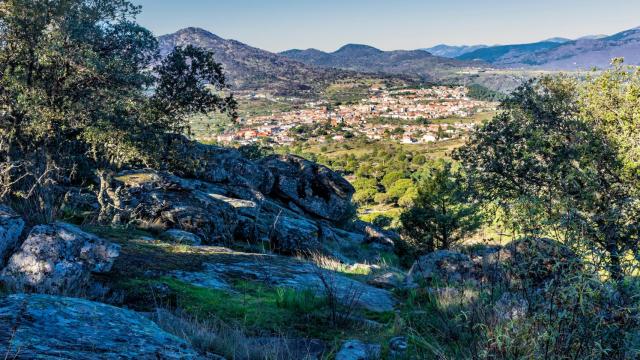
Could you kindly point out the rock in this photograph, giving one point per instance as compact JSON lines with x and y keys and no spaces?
{"x":295,"y":236}
{"x":376,"y":236}
{"x":398,"y":345}
{"x":59,"y":258}
{"x":161,"y":201}
{"x":181,"y":237}
{"x":79,"y":199}
{"x":51,"y":327}
{"x":388,"y":280}
{"x":11,"y":226}
{"x":510,"y":307}
{"x":444,"y":265}
{"x":314,"y":188}
{"x":222,"y":269}
{"x":220,"y":165}
{"x":357,"y":350}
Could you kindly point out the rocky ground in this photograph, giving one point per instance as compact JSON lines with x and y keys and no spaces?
{"x":223,"y":257}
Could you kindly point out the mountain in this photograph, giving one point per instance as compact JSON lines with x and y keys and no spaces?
{"x":364,"y":58}
{"x":495,"y":54}
{"x":582,"y":54}
{"x":250,"y":68}
{"x":450,"y":51}
{"x":559,"y":40}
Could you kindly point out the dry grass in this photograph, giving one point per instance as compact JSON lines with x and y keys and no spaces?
{"x":215,"y":337}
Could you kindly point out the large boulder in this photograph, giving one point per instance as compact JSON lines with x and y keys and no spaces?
{"x":216,"y":164}
{"x":51,"y":327}
{"x":11,"y":226}
{"x":314,"y":188}
{"x":59,"y":258}
{"x":443,"y":265}
{"x":295,"y":236}
{"x":161,"y":201}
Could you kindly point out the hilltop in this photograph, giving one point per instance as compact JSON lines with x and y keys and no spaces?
{"x":580,"y":54}
{"x":252,"y":69}
{"x":364,"y":58}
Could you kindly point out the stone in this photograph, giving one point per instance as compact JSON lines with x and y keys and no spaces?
{"x":216,"y":164}
{"x":181,"y":237}
{"x":314,"y":188}
{"x":374,"y":235}
{"x":295,"y":236}
{"x":389,"y":280}
{"x":357,"y":350}
{"x":510,"y":307}
{"x":161,"y":201}
{"x":398,"y":345}
{"x":222,"y":269}
{"x":59,"y":258}
{"x":53,"y":327}
{"x":443,"y":265}
{"x":11,"y":226}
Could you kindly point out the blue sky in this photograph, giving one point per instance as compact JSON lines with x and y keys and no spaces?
{"x":278,"y":25}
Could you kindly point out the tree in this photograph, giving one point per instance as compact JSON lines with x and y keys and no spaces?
{"x":553,"y":172}
{"x":442,"y":214}
{"x":610,"y":101}
{"x":77,"y":94}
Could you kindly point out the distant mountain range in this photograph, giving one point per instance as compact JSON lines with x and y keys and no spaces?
{"x":553,"y":54}
{"x":253,"y":69}
{"x":364,"y":58}
{"x":300,"y":72}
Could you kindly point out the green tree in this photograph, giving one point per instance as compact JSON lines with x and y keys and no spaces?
{"x":399,"y":188}
{"x":77,"y":94}
{"x":390,"y":178}
{"x":442,"y":213}
{"x":610,"y":102}
{"x":555,"y":173}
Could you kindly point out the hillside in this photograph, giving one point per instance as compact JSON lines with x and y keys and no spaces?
{"x":450,"y":51}
{"x":581,"y":54}
{"x":253,"y":69}
{"x":496,"y":54}
{"x":363,"y":58}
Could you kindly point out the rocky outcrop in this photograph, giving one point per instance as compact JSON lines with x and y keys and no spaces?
{"x":181,"y":237}
{"x":220,"y":165}
{"x":11,"y":226}
{"x":220,"y":213}
{"x":161,"y":201}
{"x":313,"y":187}
{"x":59,"y":258}
{"x":51,"y":327}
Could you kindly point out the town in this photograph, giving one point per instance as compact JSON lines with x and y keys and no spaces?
{"x":407,"y":116}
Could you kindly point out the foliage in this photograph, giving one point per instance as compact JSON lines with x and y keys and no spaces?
{"x":442,"y":214}
{"x":552,"y":171}
{"x":482,"y":93}
{"x":610,"y":101}
{"x":77,"y":94}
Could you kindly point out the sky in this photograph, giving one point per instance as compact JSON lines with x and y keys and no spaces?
{"x":278,"y":25}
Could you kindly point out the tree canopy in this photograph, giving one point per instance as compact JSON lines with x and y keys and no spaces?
{"x":82,"y":87}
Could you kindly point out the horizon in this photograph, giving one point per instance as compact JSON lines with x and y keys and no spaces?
{"x":412,"y":25}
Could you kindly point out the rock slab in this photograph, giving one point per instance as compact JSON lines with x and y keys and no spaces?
{"x":52,"y":327}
